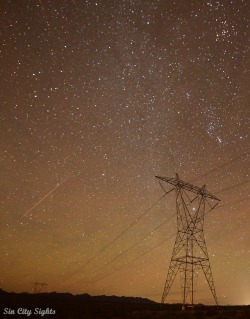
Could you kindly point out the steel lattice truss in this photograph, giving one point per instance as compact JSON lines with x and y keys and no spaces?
{"x":38,"y":286}
{"x":190,"y":251}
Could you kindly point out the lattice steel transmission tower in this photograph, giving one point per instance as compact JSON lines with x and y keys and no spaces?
{"x":190,"y":251}
{"x":38,"y":286}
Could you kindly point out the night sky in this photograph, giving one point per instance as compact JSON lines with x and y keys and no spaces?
{"x":98,"y":97}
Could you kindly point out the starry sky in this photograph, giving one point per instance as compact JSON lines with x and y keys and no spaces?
{"x":98,"y":97}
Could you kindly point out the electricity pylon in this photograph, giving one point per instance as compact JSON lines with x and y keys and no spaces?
{"x":38,"y":286}
{"x":190,"y":251}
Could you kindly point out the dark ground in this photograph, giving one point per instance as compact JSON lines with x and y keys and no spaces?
{"x":103,"y":307}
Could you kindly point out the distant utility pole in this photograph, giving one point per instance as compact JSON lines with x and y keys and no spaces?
{"x":38,"y":286}
{"x":190,"y":251}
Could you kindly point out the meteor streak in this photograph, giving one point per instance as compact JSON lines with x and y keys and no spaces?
{"x":42,"y":199}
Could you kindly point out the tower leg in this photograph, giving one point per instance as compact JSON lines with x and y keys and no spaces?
{"x":205,"y":265}
{"x":172,"y":272}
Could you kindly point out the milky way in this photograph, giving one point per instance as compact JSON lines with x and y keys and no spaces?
{"x":98,"y":97}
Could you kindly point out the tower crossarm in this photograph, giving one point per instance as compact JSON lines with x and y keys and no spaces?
{"x":187,"y":186}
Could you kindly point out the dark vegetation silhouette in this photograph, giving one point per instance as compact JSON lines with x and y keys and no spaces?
{"x":84,"y":306}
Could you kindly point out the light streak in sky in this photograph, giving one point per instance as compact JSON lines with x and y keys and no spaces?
{"x":44,"y":197}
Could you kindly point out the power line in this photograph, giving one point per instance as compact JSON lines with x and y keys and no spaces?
{"x":126,"y":250}
{"x":148,"y":251}
{"x":121,"y":233}
{"x":133,"y":260}
{"x":145,"y":213}
{"x":235,"y":202}
{"x":229,"y":204}
{"x":231,"y":187}
{"x":131,"y":225}
{"x":221,"y":166}
{"x":129,"y":248}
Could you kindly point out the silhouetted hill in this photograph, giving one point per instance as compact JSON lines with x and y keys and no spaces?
{"x":66,"y":305}
{"x":83,"y":306}
{"x":83,"y":297}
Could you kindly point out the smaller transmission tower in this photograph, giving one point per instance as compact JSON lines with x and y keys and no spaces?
{"x":38,"y":286}
{"x":190,"y":251}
